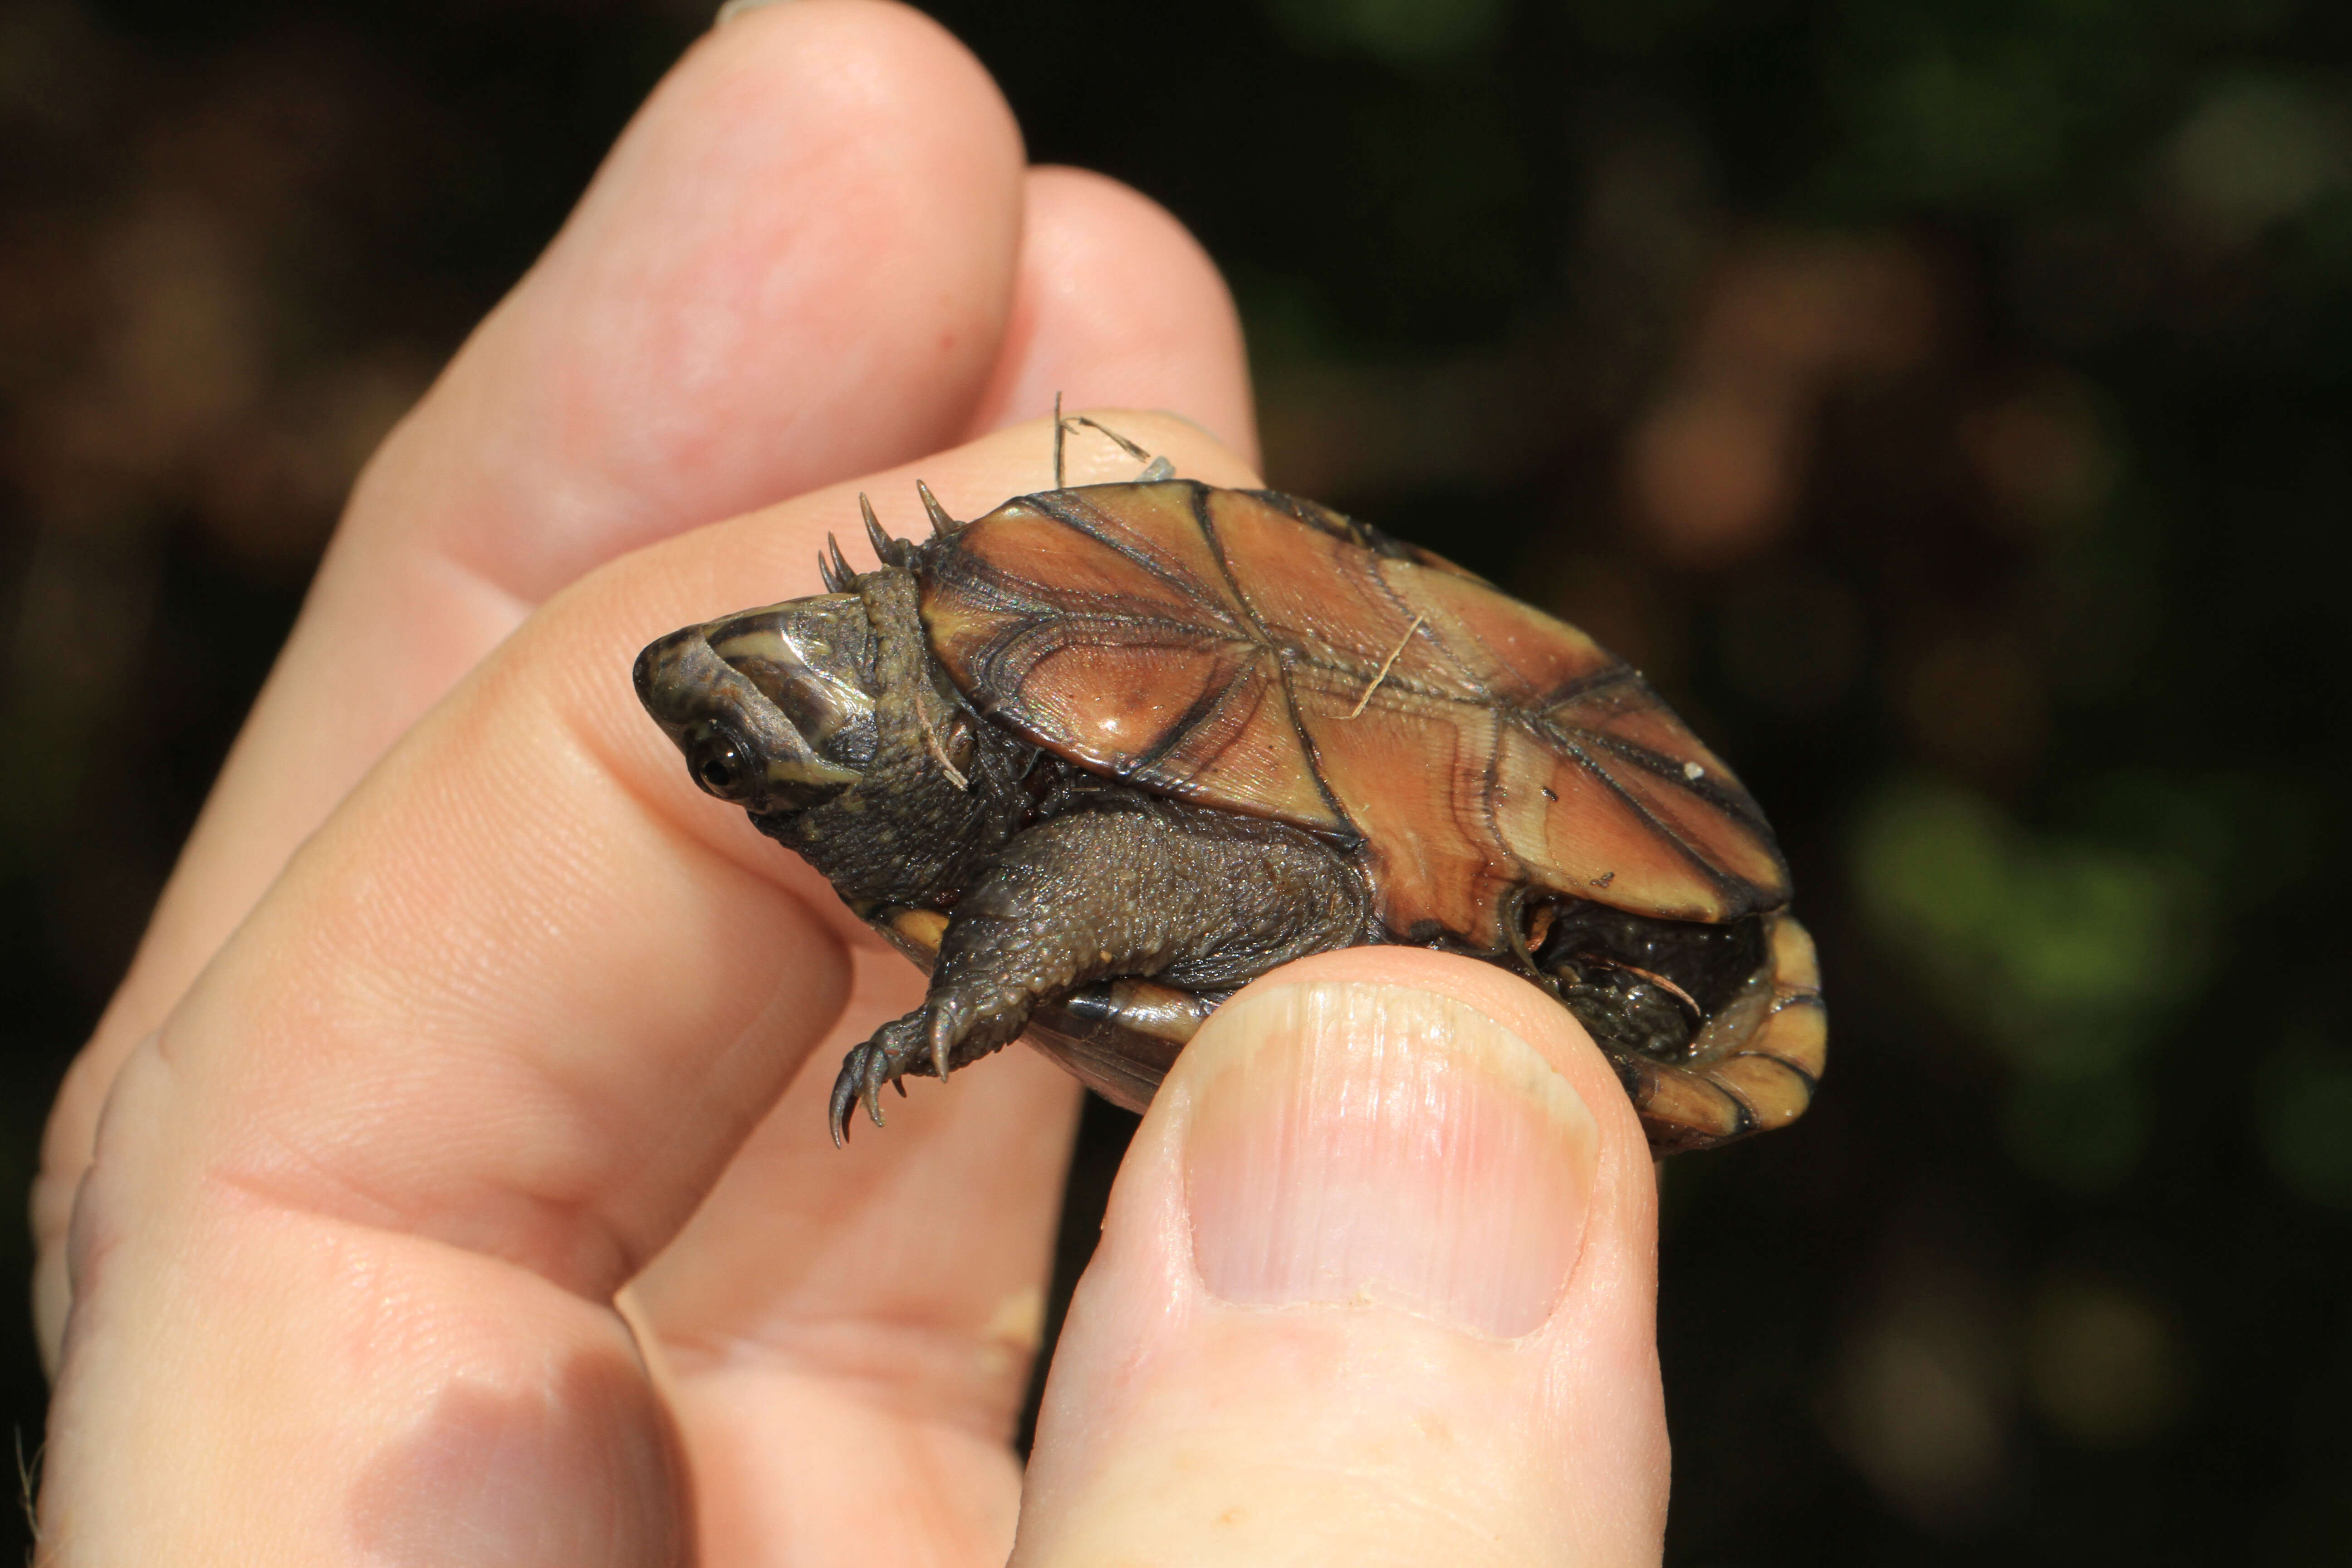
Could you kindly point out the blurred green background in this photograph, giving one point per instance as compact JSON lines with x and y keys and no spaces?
{"x":1946,"y":402}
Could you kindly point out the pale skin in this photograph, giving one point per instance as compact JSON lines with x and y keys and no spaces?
{"x":461,"y":1193}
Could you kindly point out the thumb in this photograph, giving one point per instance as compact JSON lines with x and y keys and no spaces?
{"x":1376,"y":1285}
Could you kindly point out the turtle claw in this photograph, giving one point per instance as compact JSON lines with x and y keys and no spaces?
{"x":923,"y":1043}
{"x":946,"y":1028}
{"x":886,"y":1058}
{"x":891,"y":552}
{"x":844,"y":1095}
{"x":835,"y":568}
{"x":863,"y":1073}
{"x":942,"y":523}
{"x":881,"y":541}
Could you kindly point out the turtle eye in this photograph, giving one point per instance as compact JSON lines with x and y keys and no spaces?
{"x":723,"y":766}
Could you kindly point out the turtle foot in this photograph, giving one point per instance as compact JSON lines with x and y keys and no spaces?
{"x":922,"y":1043}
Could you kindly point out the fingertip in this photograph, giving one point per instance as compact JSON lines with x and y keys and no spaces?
{"x":795,"y":265}
{"x":1506,"y":998}
{"x":1382,"y":1258}
{"x":890,"y":63}
{"x":1116,"y":304}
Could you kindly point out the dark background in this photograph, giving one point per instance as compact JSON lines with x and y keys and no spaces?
{"x":1944,"y":400}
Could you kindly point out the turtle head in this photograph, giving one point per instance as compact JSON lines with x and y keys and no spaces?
{"x":771,"y":707}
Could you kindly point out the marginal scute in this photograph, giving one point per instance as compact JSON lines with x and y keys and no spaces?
{"x":1764,"y":1082}
{"x":1794,"y":960}
{"x":1248,"y":653}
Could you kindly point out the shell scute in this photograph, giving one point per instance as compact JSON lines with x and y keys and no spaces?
{"x":1267,"y":656}
{"x":1492,"y":644}
{"x":1412,"y":776}
{"x":1077,"y":560}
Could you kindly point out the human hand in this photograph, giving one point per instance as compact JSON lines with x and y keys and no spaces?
{"x":815,"y":252}
{"x":471,"y":1204}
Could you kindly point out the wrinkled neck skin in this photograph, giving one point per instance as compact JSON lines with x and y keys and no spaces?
{"x":908,"y":833}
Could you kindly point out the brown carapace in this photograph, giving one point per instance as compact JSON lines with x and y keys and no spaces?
{"x":1428,"y":761}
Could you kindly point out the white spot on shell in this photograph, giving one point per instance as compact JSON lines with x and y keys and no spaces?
{"x":1693,"y":772}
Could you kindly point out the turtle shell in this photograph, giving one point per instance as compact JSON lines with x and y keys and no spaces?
{"x":1257,"y":652}
{"x":1120,"y":1038}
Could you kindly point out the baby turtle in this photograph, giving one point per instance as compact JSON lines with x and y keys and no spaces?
{"x":1099,"y":758}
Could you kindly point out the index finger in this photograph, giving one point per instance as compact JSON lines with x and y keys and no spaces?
{"x":711,"y":329}
{"x":475,"y":1058}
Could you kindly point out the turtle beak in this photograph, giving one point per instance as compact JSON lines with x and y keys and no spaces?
{"x":746,"y":676}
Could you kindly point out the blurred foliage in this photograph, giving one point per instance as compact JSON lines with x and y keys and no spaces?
{"x":1406,"y":33}
{"x":2069,"y":956}
{"x":2306,"y":1104}
{"x":1946,"y":403}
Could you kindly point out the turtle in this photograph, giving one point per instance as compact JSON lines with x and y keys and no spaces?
{"x":1101,"y":756}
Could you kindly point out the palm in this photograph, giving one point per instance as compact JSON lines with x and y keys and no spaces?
{"x":849,"y":1333}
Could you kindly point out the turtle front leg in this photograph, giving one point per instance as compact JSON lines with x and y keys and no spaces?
{"x":1135,"y":886}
